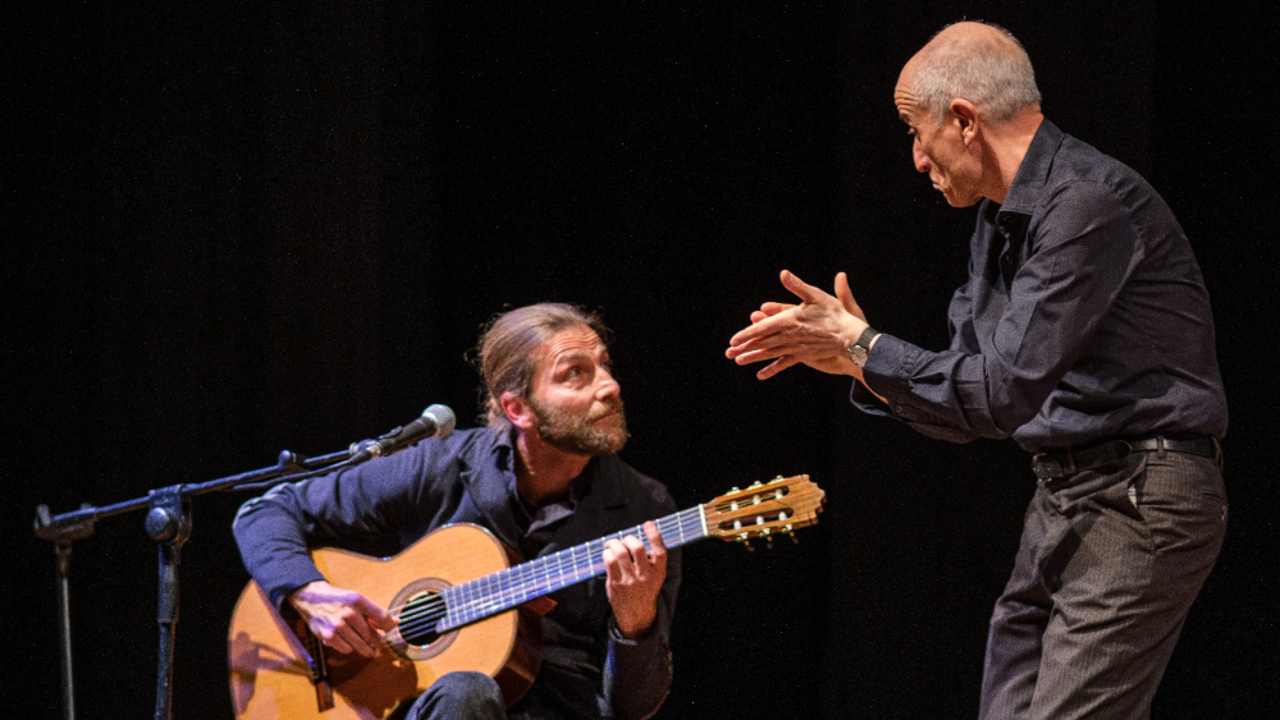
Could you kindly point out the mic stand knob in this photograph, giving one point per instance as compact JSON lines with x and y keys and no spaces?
{"x":169,"y":523}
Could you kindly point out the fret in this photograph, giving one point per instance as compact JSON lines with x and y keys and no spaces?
{"x":516,"y":585}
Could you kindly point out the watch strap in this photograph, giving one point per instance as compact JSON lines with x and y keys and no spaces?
{"x":858,"y":351}
{"x":864,"y":340}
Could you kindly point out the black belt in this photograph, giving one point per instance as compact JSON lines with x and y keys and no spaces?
{"x":1050,"y":466}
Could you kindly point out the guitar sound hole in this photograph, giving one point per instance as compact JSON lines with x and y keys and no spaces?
{"x":419,"y":617}
{"x":421,"y":609}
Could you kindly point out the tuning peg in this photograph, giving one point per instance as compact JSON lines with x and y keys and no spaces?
{"x":744,"y":538}
{"x":792,"y":535}
{"x":756,"y":484}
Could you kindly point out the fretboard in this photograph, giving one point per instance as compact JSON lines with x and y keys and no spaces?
{"x":506,"y":589}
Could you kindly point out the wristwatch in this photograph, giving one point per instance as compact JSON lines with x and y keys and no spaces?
{"x":859,"y":349}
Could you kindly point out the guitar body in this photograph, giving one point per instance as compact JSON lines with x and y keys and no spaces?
{"x":272,"y":659}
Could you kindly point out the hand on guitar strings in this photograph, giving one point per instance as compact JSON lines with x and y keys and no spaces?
{"x":343,"y":619}
{"x":634,"y":575}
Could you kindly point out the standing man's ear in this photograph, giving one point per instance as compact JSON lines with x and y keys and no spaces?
{"x":966,"y":114}
{"x":517,"y":410}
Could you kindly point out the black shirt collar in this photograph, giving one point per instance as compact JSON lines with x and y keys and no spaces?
{"x":1033,"y":173}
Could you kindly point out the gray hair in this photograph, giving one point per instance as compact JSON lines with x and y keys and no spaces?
{"x":995,"y":76}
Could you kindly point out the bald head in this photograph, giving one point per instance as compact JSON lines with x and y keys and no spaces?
{"x":980,"y":63}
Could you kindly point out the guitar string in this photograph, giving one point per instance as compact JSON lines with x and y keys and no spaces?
{"x":522,"y":582}
{"x":522,"y":585}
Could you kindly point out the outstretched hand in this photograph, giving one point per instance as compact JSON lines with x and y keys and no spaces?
{"x":817,"y":332}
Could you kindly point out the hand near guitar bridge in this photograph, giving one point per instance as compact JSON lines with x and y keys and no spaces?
{"x":344,"y":620}
{"x":634,"y":576}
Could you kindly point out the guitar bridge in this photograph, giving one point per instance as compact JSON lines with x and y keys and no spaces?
{"x":318,"y":667}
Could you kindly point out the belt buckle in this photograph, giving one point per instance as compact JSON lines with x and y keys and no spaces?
{"x":1047,"y":469}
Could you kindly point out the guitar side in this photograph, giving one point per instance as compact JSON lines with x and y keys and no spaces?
{"x":271,"y":668}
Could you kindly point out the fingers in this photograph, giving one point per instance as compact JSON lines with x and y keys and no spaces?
{"x":356,"y":634}
{"x":635,"y":576}
{"x":659,"y":548}
{"x":614,"y":551}
{"x":766,"y":324}
{"x":628,"y":558}
{"x":376,"y":615}
{"x":346,"y":631}
{"x":752,"y":352}
{"x":622,"y":558}
{"x":759,"y":328}
{"x":768,"y":310}
{"x":777,"y":366}
{"x":789,"y":333}
{"x":345,"y":620}
{"x":846,"y":297}
{"x":800,"y":288}
{"x":844,"y":293}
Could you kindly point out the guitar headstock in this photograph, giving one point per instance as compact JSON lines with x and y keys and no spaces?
{"x":780,"y":506}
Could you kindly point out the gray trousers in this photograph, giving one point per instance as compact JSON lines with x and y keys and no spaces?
{"x":460,"y":696}
{"x":475,"y":696}
{"x":1109,"y":564}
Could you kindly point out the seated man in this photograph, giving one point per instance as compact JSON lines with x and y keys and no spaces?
{"x":543,"y":476}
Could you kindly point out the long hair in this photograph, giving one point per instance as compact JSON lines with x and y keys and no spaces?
{"x":507,"y":353}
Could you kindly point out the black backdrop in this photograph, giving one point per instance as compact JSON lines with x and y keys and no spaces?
{"x":235,"y":228}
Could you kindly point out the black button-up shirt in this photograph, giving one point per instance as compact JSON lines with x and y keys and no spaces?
{"x":1085,"y":317}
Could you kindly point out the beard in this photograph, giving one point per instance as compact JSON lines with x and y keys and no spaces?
{"x":578,"y":434}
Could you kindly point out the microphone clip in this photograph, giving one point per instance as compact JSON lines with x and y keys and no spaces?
{"x":435,"y":421}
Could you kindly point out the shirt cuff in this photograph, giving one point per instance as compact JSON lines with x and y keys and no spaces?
{"x":616,"y":636}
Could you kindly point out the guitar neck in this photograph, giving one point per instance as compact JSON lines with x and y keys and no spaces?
{"x":506,"y":589}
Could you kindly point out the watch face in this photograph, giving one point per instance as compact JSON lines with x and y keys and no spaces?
{"x":858,"y":354}
{"x":858,"y":351}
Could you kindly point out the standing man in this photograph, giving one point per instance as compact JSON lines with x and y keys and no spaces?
{"x":1084,"y":334}
{"x":544,"y":476}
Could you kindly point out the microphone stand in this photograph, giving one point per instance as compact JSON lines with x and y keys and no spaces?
{"x":168,"y":522}
{"x":62,"y":537}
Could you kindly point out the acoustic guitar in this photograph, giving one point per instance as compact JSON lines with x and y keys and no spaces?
{"x":462,"y":605}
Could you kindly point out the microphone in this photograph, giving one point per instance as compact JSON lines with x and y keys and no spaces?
{"x":436,"y":421}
